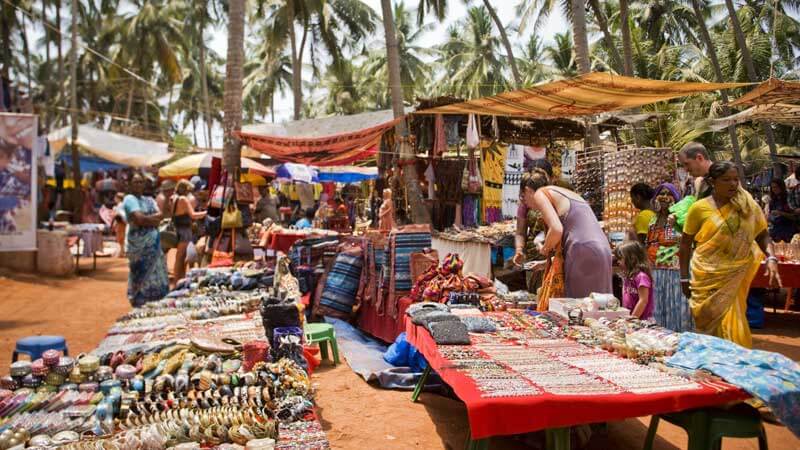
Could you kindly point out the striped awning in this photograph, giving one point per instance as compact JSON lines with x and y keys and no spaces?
{"x":334,"y":150}
{"x":589,"y":94}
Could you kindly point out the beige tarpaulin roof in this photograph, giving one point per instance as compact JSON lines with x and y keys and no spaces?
{"x":110,"y":146}
{"x":588,"y":94}
{"x":771,"y":91}
{"x":775,"y":113}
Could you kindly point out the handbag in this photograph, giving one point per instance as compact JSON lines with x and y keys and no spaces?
{"x":244,"y":192}
{"x":231,"y":217}
{"x":221,"y":258}
{"x":167,"y":233}
{"x":218,"y":196}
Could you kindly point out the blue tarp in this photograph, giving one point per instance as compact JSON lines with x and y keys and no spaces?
{"x":345,"y":177}
{"x":89,"y":163}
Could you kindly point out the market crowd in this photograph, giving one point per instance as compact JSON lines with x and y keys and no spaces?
{"x":689,"y":258}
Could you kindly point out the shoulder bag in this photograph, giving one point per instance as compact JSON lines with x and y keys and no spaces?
{"x":166,"y":231}
{"x":222,"y":258}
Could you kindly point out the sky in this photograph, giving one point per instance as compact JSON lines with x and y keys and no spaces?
{"x":506,"y":10}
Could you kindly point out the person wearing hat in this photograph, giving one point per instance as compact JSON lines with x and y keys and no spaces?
{"x":164,"y":197}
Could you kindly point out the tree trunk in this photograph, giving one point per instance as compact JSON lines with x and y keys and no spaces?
{"x":204,"y":81}
{"x":233,"y":86}
{"x":747,"y":59}
{"x":603,"y":24}
{"x":272,"y":107}
{"x":194,"y":131}
{"x":146,"y":121}
{"x":419,"y":213}
{"x":297,"y":64}
{"x":60,"y":63}
{"x":627,"y":49}
{"x":73,"y":103}
{"x":5,"y":32}
{"x":129,"y":105}
{"x":712,"y":54}
{"x":27,"y":54}
{"x":46,"y":90}
{"x":169,"y":113}
{"x":581,"y":44}
{"x":506,"y":43}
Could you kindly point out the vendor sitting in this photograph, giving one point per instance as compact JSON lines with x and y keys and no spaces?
{"x":306,"y":221}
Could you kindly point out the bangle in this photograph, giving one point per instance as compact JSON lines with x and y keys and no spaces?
{"x":685,"y":280}
{"x":772,"y":258}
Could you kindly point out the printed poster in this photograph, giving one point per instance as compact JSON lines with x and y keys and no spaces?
{"x":17,"y":182}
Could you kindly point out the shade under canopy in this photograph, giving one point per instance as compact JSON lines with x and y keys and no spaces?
{"x":193,"y":164}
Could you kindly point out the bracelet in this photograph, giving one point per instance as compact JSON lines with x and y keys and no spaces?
{"x":685,"y":280}
{"x":772,"y":258}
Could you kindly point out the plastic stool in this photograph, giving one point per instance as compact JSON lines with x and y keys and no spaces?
{"x":707,"y":427}
{"x":34,"y":346}
{"x":322,"y":333}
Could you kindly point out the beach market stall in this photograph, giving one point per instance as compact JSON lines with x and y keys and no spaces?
{"x":200,"y":164}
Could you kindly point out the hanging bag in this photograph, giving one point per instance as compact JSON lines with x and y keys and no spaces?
{"x":231,"y":217}
{"x":167,"y":233}
{"x":221,"y":258}
{"x":243,"y":191}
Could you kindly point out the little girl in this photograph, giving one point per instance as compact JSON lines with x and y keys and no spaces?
{"x":637,"y":286}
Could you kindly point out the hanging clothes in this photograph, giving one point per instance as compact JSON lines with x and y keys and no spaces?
{"x":451,"y":130}
{"x":493,"y":160}
{"x":515,"y":160}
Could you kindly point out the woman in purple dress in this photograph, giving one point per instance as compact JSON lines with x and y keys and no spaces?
{"x":572,"y":228}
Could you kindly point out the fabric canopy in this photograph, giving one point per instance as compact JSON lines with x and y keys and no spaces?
{"x":330,"y":141}
{"x":771,"y":91}
{"x":89,"y":163}
{"x":347,"y":174}
{"x":112,"y":147}
{"x":193,"y":164}
{"x":297,"y":172}
{"x":775,"y":113}
{"x":588,"y":94}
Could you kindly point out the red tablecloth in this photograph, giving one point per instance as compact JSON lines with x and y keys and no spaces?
{"x":516,"y":415}
{"x":384,"y":327}
{"x":790,"y":276}
{"x":283,"y":241}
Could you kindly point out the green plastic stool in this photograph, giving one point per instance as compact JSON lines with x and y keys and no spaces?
{"x":322,"y":333}
{"x":707,"y":427}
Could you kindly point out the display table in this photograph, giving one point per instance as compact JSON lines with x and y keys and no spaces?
{"x":508,"y":415}
{"x":790,"y":278}
{"x":477,"y":256}
{"x":384,"y":326}
{"x":88,"y":239}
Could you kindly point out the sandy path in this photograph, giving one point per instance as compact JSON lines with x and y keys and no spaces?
{"x":354,"y":414}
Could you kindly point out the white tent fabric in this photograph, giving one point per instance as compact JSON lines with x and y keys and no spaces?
{"x":110,"y":146}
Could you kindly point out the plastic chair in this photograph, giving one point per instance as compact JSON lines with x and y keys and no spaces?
{"x":707,"y":427}
{"x":34,"y":346}
{"x":322,"y":333}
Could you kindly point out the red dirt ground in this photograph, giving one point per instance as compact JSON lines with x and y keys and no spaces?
{"x":354,"y":414}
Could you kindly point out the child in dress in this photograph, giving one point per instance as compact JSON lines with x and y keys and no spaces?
{"x":637,"y":285}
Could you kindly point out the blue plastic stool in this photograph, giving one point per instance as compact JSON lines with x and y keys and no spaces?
{"x":34,"y":346}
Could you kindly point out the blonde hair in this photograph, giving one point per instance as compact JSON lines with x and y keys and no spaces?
{"x":184,"y":187}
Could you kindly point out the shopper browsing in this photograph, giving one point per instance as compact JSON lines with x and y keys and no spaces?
{"x":637,"y":284}
{"x":642,"y":198}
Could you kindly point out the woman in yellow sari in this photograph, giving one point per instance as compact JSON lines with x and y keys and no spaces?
{"x":729,"y":234}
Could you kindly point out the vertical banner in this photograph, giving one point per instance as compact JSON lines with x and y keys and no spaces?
{"x":17,"y":182}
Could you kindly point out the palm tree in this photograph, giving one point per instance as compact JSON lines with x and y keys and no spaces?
{"x":234,"y":69}
{"x":533,"y":69}
{"x":415,"y":72}
{"x":625,"y":31}
{"x":333,"y":25}
{"x":747,"y":60}
{"x":562,"y":55}
{"x":602,"y":23}
{"x":151,"y":39}
{"x":712,"y":55}
{"x":265,"y":77}
{"x":419,"y":212}
{"x":506,"y":43}
{"x":470,"y":57}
